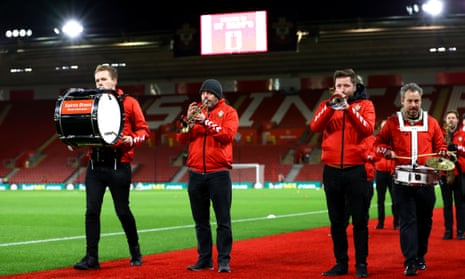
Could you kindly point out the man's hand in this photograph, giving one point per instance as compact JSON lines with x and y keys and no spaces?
{"x":386,"y":153}
{"x":127,"y":140}
{"x":443,"y":153}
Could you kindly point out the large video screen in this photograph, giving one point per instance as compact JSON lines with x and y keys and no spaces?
{"x":229,"y":33}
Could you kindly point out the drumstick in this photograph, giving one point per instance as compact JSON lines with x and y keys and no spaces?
{"x":419,"y":156}
{"x":426,"y":155}
{"x":433,"y":154}
{"x":110,"y":133}
{"x":408,"y":158}
{"x":401,"y":157}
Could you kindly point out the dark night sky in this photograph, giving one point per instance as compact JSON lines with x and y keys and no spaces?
{"x":104,"y":17}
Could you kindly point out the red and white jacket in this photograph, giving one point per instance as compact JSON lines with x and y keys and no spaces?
{"x":344,"y":130}
{"x":411,"y":140}
{"x":211,"y":143}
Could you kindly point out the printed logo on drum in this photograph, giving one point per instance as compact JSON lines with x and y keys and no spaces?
{"x":77,"y":107}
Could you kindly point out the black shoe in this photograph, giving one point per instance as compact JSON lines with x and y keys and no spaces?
{"x":447,"y":235}
{"x":201,"y":266}
{"x":136,"y":256}
{"x":361,"y":271}
{"x":379,"y":226}
{"x":460,"y":236}
{"x":337,"y":269}
{"x":224,"y":267}
{"x":87,"y":263}
{"x":421,"y":265}
{"x":410,"y":270}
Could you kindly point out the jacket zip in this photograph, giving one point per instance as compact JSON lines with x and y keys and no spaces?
{"x":342,"y":142}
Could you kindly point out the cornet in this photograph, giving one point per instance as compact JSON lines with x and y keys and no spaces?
{"x":187,"y":123}
{"x":338,"y":101}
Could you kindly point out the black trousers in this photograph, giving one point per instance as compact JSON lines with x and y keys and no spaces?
{"x":348,"y":194}
{"x":215,"y":187}
{"x":453,"y":194}
{"x":118,"y":181}
{"x":415,"y":205}
{"x":383,"y":185}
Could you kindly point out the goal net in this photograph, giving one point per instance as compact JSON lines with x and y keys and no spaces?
{"x":254,"y":173}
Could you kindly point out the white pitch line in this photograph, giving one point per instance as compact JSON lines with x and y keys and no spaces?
{"x":155,"y":229}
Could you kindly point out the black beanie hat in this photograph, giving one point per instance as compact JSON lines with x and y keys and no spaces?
{"x":213,"y":86}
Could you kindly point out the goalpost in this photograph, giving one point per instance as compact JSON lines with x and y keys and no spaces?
{"x":259,"y":173}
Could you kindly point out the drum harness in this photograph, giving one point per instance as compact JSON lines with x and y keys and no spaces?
{"x":414,"y":132}
{"x":105,"y":156}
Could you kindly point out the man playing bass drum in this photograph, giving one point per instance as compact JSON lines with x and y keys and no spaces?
{"x":109,"y":166}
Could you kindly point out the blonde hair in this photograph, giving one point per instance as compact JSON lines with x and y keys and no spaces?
{"x":103,"y":67}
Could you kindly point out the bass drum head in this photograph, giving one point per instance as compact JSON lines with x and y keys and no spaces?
{"x":109,"y":118}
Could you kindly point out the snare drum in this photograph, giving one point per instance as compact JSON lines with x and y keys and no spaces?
{"x":416,"y":175}
{"x":91,"y":117}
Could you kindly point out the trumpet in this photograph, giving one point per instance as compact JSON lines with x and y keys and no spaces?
{"x":187,"y":123}
{"x":338,"y":101}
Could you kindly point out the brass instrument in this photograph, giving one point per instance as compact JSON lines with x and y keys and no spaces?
{"x":338,"y":101}
{"x":186,"y":124}
{"x":450,"y":173}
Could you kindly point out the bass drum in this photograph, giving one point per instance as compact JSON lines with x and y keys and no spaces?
{"x":92,"y":117}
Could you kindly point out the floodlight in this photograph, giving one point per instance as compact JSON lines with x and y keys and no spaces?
{"x":72,"y":28}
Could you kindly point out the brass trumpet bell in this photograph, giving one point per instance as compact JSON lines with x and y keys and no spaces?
{"x":186,"y":124}
{"x":338,"y":101}
{"x":441,"y":164}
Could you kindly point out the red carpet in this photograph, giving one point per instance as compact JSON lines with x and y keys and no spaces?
{"x":294,"y":255}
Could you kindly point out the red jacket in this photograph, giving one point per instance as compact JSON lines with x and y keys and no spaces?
{"x":459,"y":140}
{"x":134,"y":125}
{"x":211,"y":144}
{"x":428,"y":142}
{"x":370,"y":170}
{"x":343,"y":131}
{"x":375,"y":162}
{"x":370,"y":157}
{"x":384,"y":164}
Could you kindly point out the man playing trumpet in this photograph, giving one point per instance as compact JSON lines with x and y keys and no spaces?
{"x":209,"y":159}
{"x":346,"y":120}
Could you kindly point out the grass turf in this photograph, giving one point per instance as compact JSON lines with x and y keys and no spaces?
{"x":45,"y":229}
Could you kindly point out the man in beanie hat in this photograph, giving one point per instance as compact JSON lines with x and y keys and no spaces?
{"x":210,"y":132}
{"x":212,"y":86}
